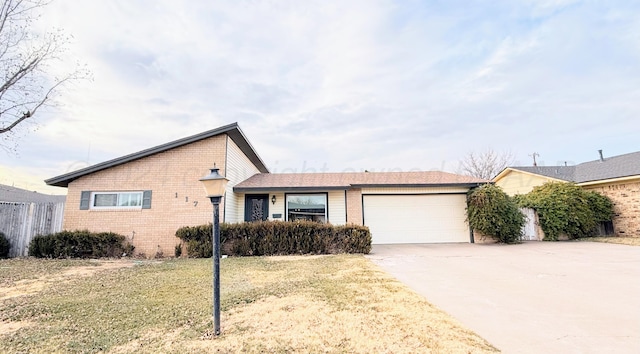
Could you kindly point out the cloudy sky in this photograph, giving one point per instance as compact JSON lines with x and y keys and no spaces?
{"x":342,"y":85}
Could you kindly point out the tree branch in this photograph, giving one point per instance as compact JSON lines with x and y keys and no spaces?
{"x":485,"y":164}
{"x":24,"y":60}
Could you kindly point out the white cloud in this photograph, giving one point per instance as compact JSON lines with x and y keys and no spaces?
{"x":348,"y":85}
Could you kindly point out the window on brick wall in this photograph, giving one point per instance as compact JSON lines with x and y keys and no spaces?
{"x":115,"y":200}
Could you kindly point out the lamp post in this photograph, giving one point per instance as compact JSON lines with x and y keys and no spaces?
{"x":214,"y":185}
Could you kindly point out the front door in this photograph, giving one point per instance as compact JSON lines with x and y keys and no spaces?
{"x":256,"y":207}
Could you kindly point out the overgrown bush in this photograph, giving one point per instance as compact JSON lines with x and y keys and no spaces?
{"x":492,"y":212}
{"x":5,"y":246}
{"x":79,"y":244}
{"x":277,"y":238}
{"x":566,"y":208}
{"x":601,"y":206}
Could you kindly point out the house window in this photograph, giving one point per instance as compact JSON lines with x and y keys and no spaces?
{"x":311,"y":207}
{"x":116,"y":200}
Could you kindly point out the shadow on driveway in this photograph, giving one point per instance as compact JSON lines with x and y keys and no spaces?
{"x":535,"y":297}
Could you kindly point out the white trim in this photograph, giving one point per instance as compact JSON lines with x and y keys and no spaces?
{"x":92,"y":205}
{"x":610,"y":180}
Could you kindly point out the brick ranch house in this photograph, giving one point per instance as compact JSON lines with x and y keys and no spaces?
{"x":148,"y":195}
{"x":617,"y":177}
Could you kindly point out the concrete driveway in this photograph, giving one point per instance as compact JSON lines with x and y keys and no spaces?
{"x":536,"y":297}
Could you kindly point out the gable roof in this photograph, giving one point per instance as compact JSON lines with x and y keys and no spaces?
{"x":612,"y":167}
{"x":620,"y":166}
{"x":348,"y":180}
{"x":232,"y":130}
{"x":18,"y":195}
{"x":564,"y":173}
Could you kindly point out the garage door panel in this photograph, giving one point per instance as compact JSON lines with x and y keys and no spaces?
{"x":416,"y":218}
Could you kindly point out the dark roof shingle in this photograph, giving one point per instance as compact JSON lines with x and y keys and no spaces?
{"x":611,"y":167}
{"x":564,"y":173}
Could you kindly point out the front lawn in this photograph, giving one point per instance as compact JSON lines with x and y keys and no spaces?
{"x":338,"y":303}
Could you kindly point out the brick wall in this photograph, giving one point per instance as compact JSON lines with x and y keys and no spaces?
{"x":626,"y":206}
{"x":354,"y":206}
{"x":479,"y":237}
{"x":178,"y":198}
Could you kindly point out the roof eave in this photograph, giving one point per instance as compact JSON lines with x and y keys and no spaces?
{"x":609,"y":180}
{"x":502,"y":174}
{"x":420,"y":185}
{"x":378,"y":185}
{"x":233,"y":130}
{"x":289,"y":189}
{"x":514,"y":169}
{"x":237,"y":135}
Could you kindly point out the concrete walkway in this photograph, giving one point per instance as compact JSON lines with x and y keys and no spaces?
{"x":536,"y":297}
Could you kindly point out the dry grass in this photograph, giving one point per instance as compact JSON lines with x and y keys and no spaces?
{"x":22,"y":276}
{"x":631,"y":241}
{"x":273,"y":304}
{"x":19,"y":269}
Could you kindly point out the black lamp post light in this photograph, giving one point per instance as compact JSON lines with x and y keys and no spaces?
{"x":214,"y":185}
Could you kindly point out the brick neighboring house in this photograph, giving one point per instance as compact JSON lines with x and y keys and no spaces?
{"x":617,"y":177}
{"x":148,"y":195}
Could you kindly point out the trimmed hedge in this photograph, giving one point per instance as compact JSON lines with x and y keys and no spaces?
{"x":79,"y":244}
{"x":495,"y":214}
{"x":268,"y":238}
{"x":566,"y":208}
{"x":5,"y":246}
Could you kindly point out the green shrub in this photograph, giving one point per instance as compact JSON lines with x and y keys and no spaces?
{"x":197,"y":239}
{"x":5,"y":246}
{"x":79,"y":244}
{"x":495,"y":214}
{"x":601,"y":206}
{"x":277,"y":238}
{"x":566,"y":208}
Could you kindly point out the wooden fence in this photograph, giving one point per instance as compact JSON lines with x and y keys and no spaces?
{"x":20,"y":222}
{"x":531,"y":231}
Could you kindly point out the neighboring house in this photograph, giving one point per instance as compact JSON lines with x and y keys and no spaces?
{"x":148,"y":195}
{"x":25,"y":214}
{"x":18,"y":195}
{"x":617,"y":177}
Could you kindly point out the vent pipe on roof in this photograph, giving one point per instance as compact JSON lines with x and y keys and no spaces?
{"x":601,"y":158}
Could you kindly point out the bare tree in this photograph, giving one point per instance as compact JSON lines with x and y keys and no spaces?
{"x":485,"y":164}
{"x":26,"y":58}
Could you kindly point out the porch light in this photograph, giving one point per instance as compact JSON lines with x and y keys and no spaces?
{"x":214,"y":185}
{"x":273,"y":199}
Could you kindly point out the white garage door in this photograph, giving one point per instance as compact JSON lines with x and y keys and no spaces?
{"x":416,"y":218}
